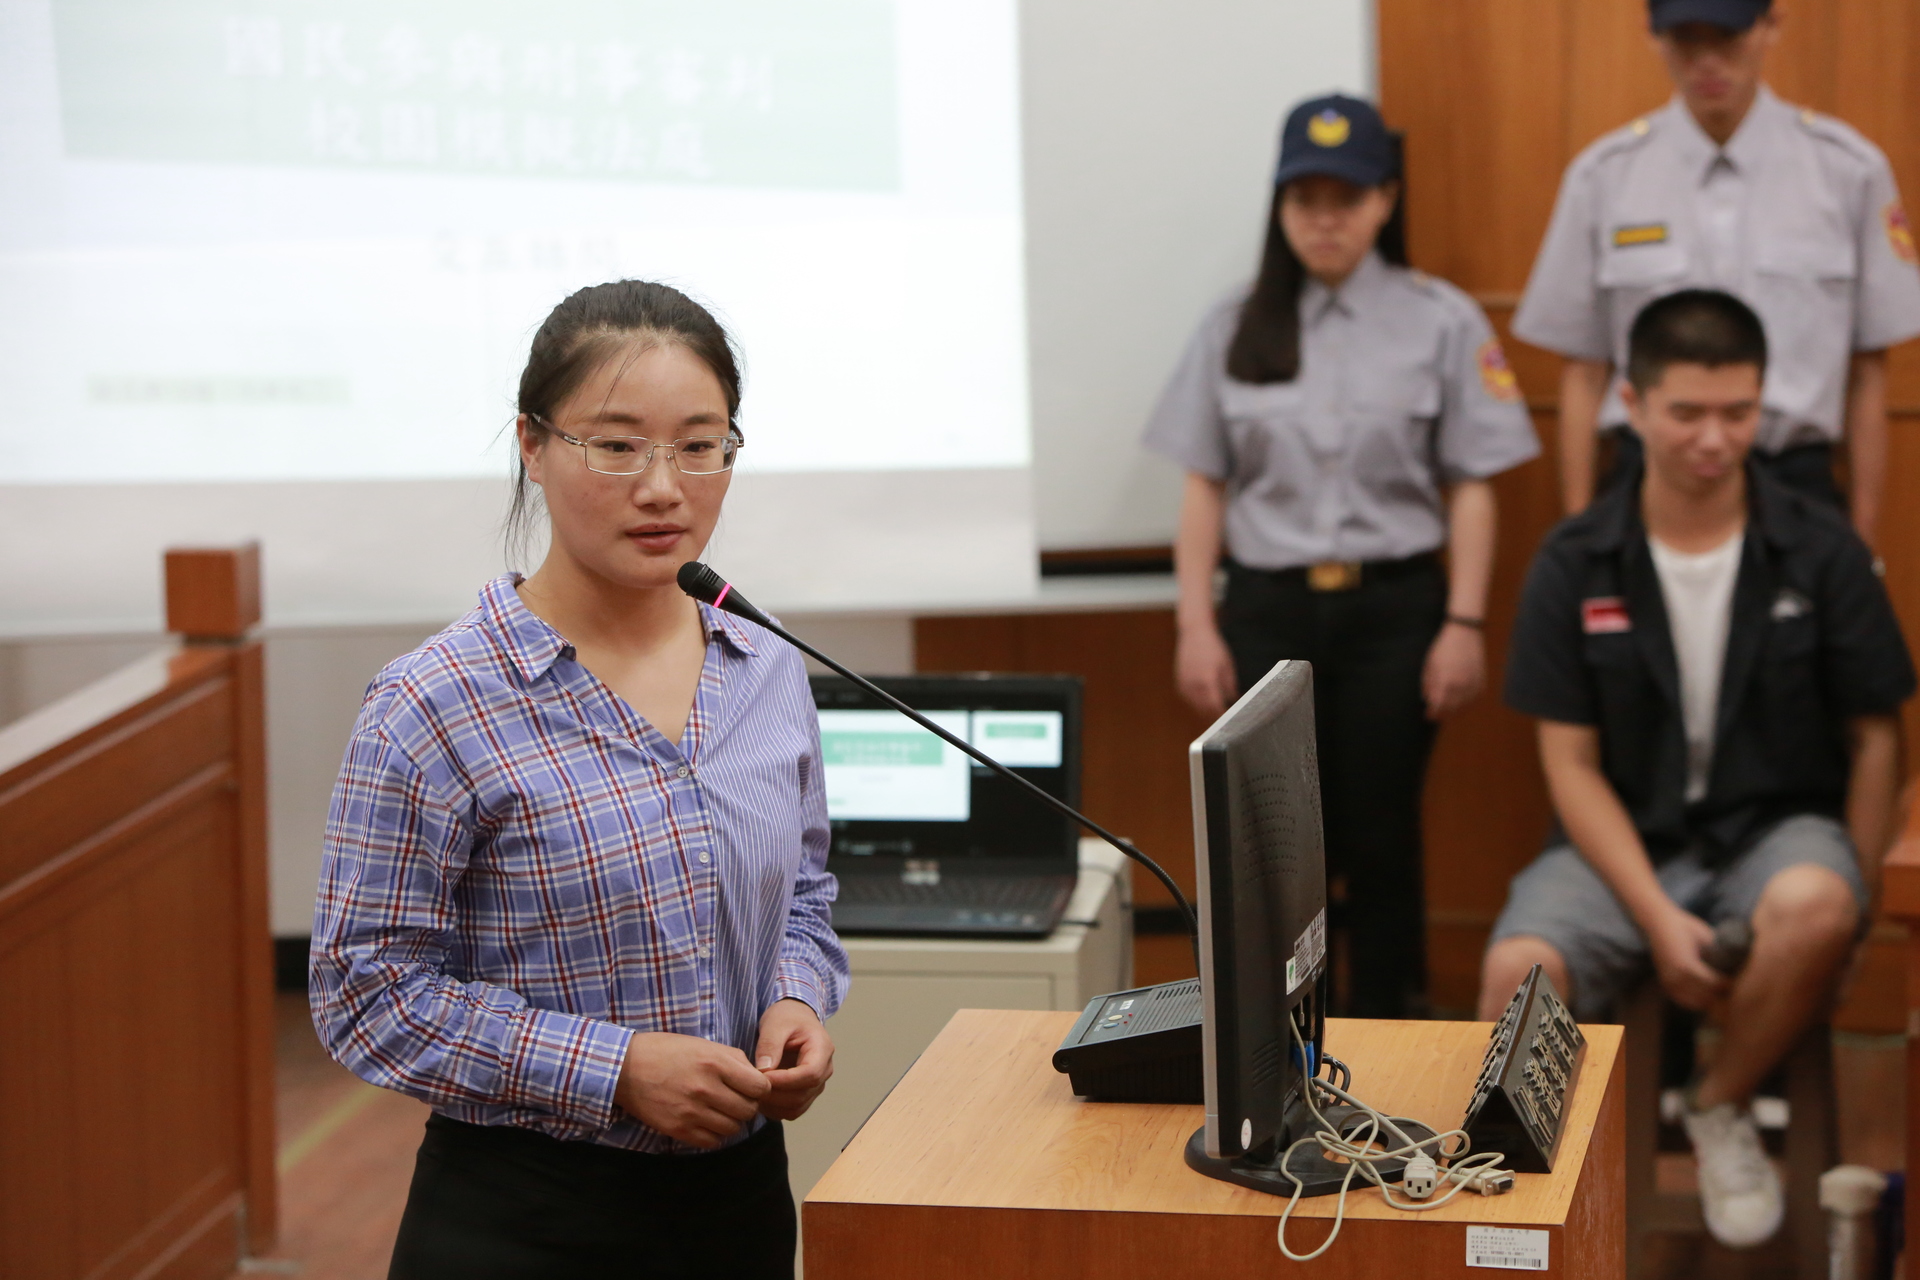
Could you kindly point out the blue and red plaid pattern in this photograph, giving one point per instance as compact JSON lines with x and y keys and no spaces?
{"x":521,"y":872}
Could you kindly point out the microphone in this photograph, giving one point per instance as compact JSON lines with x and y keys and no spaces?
{"x":702,"y":583}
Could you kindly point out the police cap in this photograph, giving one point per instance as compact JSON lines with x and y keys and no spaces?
{"x":1341,"y":137}
{"x":1729,"y":15}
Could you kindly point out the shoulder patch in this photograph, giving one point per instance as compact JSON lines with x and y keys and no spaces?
{"x":1496,"y":375}
{"x":1900,"y":232}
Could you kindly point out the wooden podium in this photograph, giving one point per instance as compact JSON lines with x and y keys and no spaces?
{"x":981,"y":1162}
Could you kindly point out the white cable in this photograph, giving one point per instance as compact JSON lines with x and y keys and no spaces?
{"x":1461,"y":1172}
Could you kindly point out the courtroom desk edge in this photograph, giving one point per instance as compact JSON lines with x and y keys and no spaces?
{"x":1048,"y":1151}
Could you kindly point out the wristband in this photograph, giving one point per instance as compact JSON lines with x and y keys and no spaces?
{"x":1475,"y":624}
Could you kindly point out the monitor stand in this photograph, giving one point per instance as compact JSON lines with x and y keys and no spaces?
{"x":1319,"y":1174}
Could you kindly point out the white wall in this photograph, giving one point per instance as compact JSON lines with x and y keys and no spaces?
{"x":1150,"y":134}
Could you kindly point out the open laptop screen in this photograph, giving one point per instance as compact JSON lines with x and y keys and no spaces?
{"x":896,"y":791}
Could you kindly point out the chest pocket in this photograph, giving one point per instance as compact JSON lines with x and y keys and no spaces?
{"x":1804,"y":291}
{"x":1265,"y":424}
{"x":1642,"y":266}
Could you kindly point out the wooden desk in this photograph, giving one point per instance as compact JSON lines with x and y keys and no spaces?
{"x":982,"y":1163}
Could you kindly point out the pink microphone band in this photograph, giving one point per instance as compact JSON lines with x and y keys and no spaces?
{"x":720,"y":600}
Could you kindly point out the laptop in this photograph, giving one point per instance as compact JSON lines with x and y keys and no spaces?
{"x":928,"y":842}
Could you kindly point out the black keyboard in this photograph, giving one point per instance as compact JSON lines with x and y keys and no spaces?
{"x":1009,"y":906}
{"x":951,"y":891}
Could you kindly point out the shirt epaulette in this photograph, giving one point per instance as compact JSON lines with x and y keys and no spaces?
{"x":1839,"y":133}
{"x":1626,"y":138}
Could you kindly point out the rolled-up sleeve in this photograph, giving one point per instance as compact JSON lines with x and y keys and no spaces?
{"x":383,"y":1002}
{"x":813,"y":965}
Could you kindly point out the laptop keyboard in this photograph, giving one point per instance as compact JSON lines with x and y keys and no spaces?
{"x":952,"y":891}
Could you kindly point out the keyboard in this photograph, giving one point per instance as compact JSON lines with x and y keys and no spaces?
{"x":1027,"y":906}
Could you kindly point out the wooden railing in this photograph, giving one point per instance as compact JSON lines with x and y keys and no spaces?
{"x":136,"y":1044}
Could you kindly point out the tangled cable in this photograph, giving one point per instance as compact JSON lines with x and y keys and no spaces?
{"x":1462,"y":1171}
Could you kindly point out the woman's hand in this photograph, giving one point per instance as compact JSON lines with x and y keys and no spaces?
{"x":1456,"y":670}
{"x":795,"y":1055}
{"x":1203,"y":670}
{"x":692,"y":1090}
{"x":1677,"y":939}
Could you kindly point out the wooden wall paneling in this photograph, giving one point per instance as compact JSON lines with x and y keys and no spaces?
{"x":1136,"y":728}
{"x":1462,"y":79}
{"x":1609,"y":74}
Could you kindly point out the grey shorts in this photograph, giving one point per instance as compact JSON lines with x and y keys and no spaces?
{"x":1560,"y":898}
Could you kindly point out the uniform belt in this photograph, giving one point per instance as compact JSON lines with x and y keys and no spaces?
{"x":1348,"y":575}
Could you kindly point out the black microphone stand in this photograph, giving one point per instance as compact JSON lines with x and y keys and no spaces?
{"x":702,"y":583}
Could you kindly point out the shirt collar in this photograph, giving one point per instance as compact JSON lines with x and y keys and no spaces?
{"x":533,"y":646}
{"x":1352,"y":295}
{"x":1771,"y":512}
{"x":1744,"y":150}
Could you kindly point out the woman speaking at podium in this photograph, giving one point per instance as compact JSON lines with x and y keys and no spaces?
{"x":574,"y":893}
{"x":1338,"y":423}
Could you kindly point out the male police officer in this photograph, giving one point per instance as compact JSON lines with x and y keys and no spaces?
{"x":1716,"y":672}
{"x":1731,"y":188}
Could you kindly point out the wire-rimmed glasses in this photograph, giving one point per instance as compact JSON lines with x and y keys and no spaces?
{"x":631,"y":455}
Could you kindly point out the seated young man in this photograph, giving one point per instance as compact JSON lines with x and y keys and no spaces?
{"x":1716,"y":670}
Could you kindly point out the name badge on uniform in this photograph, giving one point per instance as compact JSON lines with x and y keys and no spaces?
{"x":1604,"y":615}
{"x":1639,"y":234}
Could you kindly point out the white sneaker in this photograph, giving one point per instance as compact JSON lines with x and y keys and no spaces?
{"x":1739,"y":1188}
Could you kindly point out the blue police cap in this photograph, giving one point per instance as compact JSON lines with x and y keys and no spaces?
{"x":1338,"y":136}
{"x":1729,"y":15}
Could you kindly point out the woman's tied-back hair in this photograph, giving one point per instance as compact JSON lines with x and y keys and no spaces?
{"x":1693,"y":326}
{"x":593,"y":326}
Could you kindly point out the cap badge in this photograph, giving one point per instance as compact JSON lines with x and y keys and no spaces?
{"x":1644,"y":233}
{"x":1495,"y":374}
{"x":1900,"y":232}
{"x":1328,"y":129}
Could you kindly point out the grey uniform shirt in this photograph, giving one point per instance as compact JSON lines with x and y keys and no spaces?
{"x":1402,"y":389}
{"x":1797,"y":214}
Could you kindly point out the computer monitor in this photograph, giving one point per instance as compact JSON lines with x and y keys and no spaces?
{"x":1261,"y":867}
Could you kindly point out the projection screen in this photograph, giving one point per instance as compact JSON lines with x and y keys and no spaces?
{"x":270,"y":269}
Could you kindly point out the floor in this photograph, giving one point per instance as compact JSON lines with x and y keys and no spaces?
{"x":347,"y":1149}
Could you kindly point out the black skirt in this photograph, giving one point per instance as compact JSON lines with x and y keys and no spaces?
{"x":496,"y":1201}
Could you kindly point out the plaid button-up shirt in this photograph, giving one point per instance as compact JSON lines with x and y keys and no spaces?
{"x":521,"y":872}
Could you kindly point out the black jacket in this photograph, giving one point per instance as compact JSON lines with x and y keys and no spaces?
{"x":1813,"y":643}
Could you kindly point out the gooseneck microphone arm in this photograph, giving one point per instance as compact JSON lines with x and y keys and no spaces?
{"x":702,"y":583}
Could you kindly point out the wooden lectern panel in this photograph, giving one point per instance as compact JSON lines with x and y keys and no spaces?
{"x":983,"y":1163}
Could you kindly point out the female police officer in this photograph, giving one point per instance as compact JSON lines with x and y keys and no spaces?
{"x":1339,"y":421}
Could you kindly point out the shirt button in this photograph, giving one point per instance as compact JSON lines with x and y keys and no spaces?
{"x":706,"y":857}
{"x":682,"y":772}
{"x":706,"y":952}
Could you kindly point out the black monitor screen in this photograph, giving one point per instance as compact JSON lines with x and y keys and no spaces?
{"x":896,"y":791}
{"x":1261,"y":865}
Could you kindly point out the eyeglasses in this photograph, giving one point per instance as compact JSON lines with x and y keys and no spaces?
{"x":631,"y":455}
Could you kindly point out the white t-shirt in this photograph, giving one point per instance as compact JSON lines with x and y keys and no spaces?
{"x":1698,"y":590}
